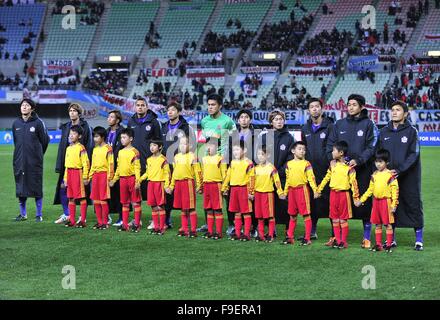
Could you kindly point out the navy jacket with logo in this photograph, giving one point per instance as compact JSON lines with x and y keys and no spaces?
{"x":361,"y":135}
{"x":403,"y":145}
{"x":30,"y":142}
{"x":144,"y":132}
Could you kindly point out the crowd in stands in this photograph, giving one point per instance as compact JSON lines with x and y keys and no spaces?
{"x":419,"y":88}
{"x":283,"y":36}
{"x":26,"y":53}
{"x":214,"y":42}
{"x":327,"y":43}
{"x":111,"y":81}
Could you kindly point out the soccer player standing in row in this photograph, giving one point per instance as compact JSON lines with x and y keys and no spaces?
{"x":129,"y":174}
{"x":30,"y":144}
{"x":76,"y":176}
{"x":240,"y":180}
{"x":214,"y":172}
{"x":114,"y":130}
{"x":361,"y":135}
{"x":401,"y":139}
{"x":219,"y":126}
{"x":172,"y":130}
{"x":157,"y":174}
{"x":75,"y":115}
{"x":315,"y":133}
{"x":101,"y":173}
{"x":145,"y":127}
{"x":299,"y":173}
{"x":266,"y":176}
{"x":186,"y":180}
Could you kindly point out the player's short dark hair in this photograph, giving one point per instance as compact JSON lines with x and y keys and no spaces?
{"x":359,"y":98}
{"x":401,"y":104}
{"x":78,"y":129}
{"x":29,"y":102}
{"x":158,"y":142}
{"x":218,"y":98}
{"x":117,"y":114}
{"x":382,"y":155}
{"x":311,"y":100}
{"x":100,"y":131}
{"x":176,"y":105}
{"x":299,"y":143}
{"x":341,"y":146}
{"x":128,"y":131}
{"x":139,"y":98}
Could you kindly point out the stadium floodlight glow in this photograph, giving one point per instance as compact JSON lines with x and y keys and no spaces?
{"x":115,"y":58}
{"x":269,"y":56}
{"x":434,"y":53}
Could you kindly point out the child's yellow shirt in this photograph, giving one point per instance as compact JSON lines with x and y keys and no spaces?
{"x":77,"y":158}
{"x":342,"y":177}
{"x":266,"y":176}
{"x":383,"y":185}
{"x":158,"y":170}
{"x":102,"y":161}
{"x":213,"y":168}
{"x":186,"y":167}
{"x":240,"y":173}
{"x":299,"y":173}
{"x":128,"y":164}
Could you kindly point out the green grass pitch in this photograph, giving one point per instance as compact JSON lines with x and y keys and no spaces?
{"x":112,"y":265}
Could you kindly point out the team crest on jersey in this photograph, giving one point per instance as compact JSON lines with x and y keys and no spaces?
{"x":283,"y":147}
{"x":404,"y":139}
{"x":322,"y":135}
{"x":360,"y":133}
{"x":148,"y":128}
{"x":32,"y":129}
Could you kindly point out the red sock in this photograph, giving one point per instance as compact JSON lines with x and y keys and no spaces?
{"x":210,"y":220}
{"x":105,"y":212}
{"x":261,"y":228}
{"x":184,"y":221}
{"x":337,"y":231}
{"x":379,"y":236}
{"x":344,"y":229}
{"x":219,"y":223}
{"x":193,"y":220}
{"x":137,"y":214}
{"x":238,"y":225}
{"x":308,"y":226}
{"x":162,"y":217}
{"x":125,"y":215}
{"x":98,"y":211}
{"x":72,"y":211}
{"x":247,"y":225}
{"x":292,"y":227}
{"x":155,"y":216}
{"x":83,"y":208}
{"x":271,"y":227}
{"x":389,"y":235}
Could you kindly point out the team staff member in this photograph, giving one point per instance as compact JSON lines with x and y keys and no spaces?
{"x":145,"y":127}
{"x":361,"y":135}
{"x":315,"y":133}
{"x":401,"y":139}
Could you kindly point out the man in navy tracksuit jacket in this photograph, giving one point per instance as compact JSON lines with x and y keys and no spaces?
{"x":361,"y":134}
{"x":401,"y":139}
{"x":315,"y":133}
{"x":171,"y":131}
{"x":146,"y":127}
